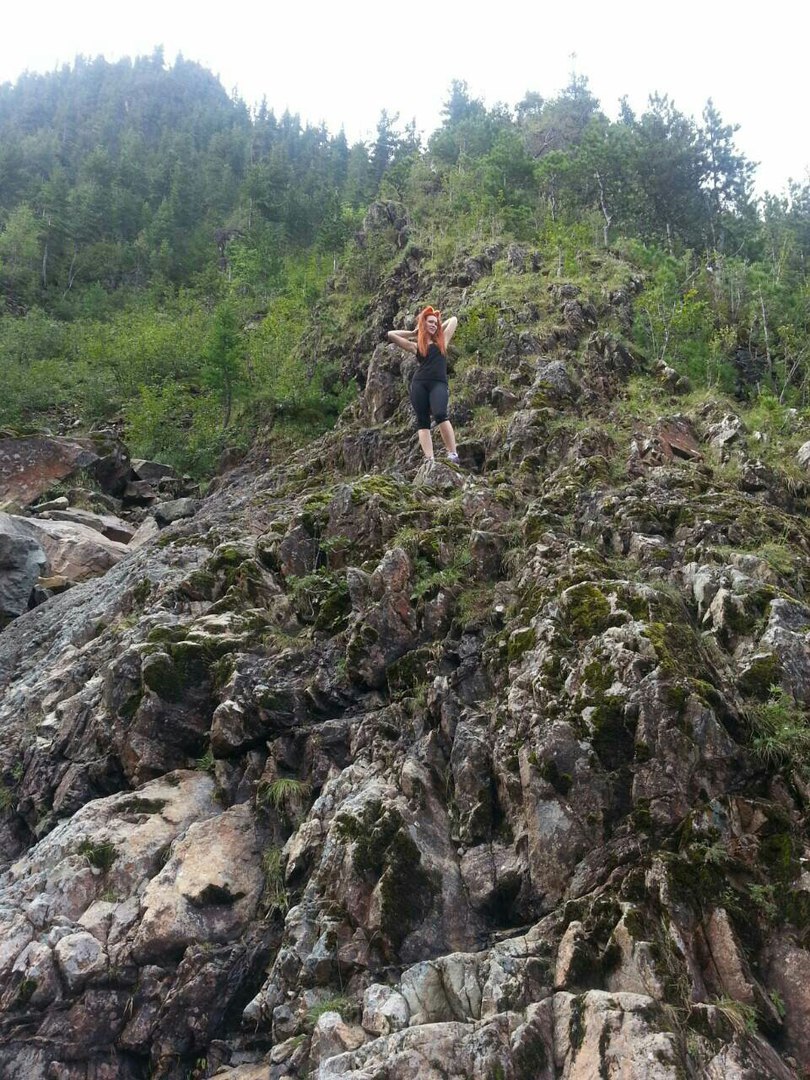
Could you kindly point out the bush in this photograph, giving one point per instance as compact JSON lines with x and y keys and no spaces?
{"x":780,"y":733}
{"x":177,"y":425}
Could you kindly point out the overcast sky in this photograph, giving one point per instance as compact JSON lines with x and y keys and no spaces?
{"x":343,"y":63}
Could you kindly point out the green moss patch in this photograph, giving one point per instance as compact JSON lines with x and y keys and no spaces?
{"x":385,"y":851}
{"x":676,"y":647}
{"x":322,"y":599}
{"x":586,"y":611}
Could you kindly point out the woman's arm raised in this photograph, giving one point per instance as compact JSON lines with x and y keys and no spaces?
{"x":398,"y":338}
{"x":449,"y":326}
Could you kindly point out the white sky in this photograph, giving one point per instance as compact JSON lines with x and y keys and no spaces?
{"x":344,"y":63}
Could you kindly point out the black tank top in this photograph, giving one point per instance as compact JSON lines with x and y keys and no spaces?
{"x":433,"y":367}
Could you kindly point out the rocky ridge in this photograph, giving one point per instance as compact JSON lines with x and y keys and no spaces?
{"x":372,"y":771}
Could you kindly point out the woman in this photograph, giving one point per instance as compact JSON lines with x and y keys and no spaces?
{"x":429,"y":390}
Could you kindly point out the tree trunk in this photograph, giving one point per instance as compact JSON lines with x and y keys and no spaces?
{"x":607,"y":216}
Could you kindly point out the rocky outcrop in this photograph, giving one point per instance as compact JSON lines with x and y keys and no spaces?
{"x":374,"y":770}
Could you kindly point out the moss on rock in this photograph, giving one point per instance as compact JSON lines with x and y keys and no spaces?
{"x":586,"y":610}
{"x":385,"y":850}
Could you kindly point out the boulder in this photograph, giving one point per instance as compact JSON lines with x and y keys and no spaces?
{"x":61,"y":503}
{"x":80,"y":957}
{"x":728,"y":430}
{"x":553,"y":386}
{"x":147,"y":530}
{"x":788,"y":975}
{"x":22,"y":560}
{"x":32,"y":464}
{"x":107,"y":524}
{"x":176,"y":509}
{"x":151,"y":471}
{"x":75,"y":552}
{"x":384,"y":623}
{"x":601,"y":1034}
{"x":384,"y":1010}
{"x":385,"y":383}
{"x":208,"y":890}
{"x":139,"y":493}
{"x":333,"y":1036}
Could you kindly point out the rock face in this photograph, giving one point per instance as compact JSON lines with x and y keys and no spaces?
{"x":372,"y":770}
{"x":30,"y":465}
{"x":75,"y":551}
{"x":22,"y":560}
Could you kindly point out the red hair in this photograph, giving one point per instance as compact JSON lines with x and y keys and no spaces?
{"x":423,"y":338}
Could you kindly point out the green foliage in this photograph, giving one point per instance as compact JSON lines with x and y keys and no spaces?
{"x":778,"y":1003}
{"x":764,"y":900}
{"x":339,"y":1004}
{"x":285,"y":794}
{"x":222,"y":358}
{"x":276,"y":892}
{"x":742,"y":1017}
{"x":430,"y":580}
{"x":322,"y":599}
{"x":778,"y":556}
{"x":172,"y":423}
{"x":99,"y":853}
{"x":780,"y":732}
{"x":206,"y":762}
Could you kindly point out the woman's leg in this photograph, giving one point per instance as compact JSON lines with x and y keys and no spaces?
{"x":448,"y":436}
{"x":420,"y":400}
{"x":439,"y":400}
{"x":426,"y":442}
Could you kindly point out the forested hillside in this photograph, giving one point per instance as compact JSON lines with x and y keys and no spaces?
{"x":165,"y":254}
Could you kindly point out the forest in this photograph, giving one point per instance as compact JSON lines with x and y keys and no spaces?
{"x":170,"y":259}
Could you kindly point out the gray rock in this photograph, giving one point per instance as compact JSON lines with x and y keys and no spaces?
{"x":62,"y":503}
{"x":728,"y":430}
{"x":384,"y":623}
{"x":139,"y":493}
{"x":146,"y":531}
{"x":22,"y":560}
{"x":553,"y":385}
{"x":788,"y":975}
{"x":74,"y":551}
{"x":787,"y":635}
{"x":167,"y":512}
{"x":107,"y":524}
{"x":80,"y":957}
{"x":332,"y":1036}
{"x":384,"y":1010}
{"x":151,"y":471}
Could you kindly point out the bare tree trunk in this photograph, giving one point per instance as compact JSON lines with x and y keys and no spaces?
{"x":765,"y":332}
{"x":71,"y":272}
{"x":608,"y":217}
{"x":228,"y":402}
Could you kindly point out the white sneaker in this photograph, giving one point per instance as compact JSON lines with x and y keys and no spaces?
{"x":453,"y":459}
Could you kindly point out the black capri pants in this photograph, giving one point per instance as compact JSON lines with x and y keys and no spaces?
{"x":429,"y":397}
